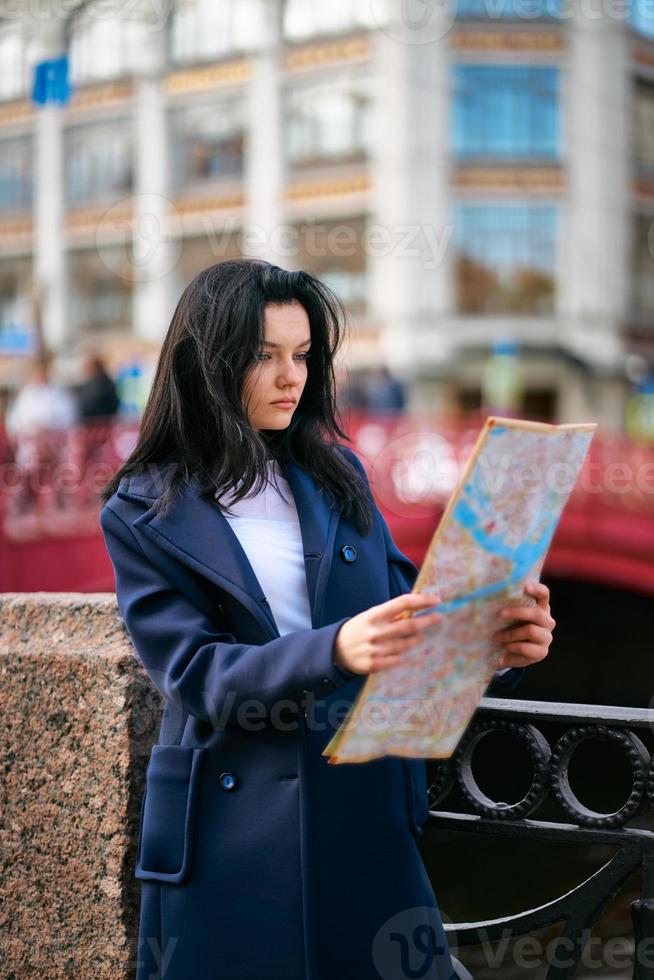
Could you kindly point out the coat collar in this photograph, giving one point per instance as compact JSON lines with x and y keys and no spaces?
{"x":196,"y":532}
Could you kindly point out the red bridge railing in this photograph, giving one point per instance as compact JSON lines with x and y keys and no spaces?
{"x":49,"y":486}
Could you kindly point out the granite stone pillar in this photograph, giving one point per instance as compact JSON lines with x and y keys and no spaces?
{"x":78,"y":720}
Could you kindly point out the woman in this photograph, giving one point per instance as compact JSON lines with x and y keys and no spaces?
{"x":260,"y":585}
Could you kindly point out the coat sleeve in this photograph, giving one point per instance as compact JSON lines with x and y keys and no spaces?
{"x":403,"y":574}
{"x":205,"y":672}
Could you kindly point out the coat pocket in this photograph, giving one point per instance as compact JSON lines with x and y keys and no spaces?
{"x":167,"y":813}
{"x":415,"y":773}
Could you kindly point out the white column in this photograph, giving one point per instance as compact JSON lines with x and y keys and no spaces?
{"x":155,"y":242}
{"x":263,"y":236}
{"x":409,"y":251}
{"x":50,"y":259}
{"x":594,"y":268}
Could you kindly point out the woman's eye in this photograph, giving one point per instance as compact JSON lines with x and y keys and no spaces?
{"x":263,"y":355}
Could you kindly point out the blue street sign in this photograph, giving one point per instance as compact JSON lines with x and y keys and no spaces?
{"x":51,"y":81}
{"x":16,"y":339}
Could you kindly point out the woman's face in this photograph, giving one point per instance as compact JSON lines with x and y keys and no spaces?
{"x":273,"y":387}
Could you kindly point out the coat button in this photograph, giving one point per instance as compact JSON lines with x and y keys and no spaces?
{"x":227,"y":781}
{"x":348,"y":552}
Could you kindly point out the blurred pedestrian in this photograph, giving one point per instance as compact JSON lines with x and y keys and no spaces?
{"x":99,"y":404}
{"x":97,"y":395}
{"x":38,"y":421}
{"x":385,"y":393}
{"x":40,"y":403}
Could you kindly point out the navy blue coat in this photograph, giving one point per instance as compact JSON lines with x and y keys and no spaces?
{"x":257,"y":858}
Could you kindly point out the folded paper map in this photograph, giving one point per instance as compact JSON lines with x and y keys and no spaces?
{"x":492,"y":538}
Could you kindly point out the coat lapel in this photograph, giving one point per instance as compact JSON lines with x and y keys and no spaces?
{"x":318,"y":524}
{"x":196,"y":532}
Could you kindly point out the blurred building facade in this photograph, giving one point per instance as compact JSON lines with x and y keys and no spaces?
{"x":463,"y":177}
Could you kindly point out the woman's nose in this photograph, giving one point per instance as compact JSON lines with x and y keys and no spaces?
{"x":290,"y":372}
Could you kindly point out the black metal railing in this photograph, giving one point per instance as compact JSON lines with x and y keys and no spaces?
{"x":568,"y":726}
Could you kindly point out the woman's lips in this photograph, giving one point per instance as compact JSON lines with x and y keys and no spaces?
{"x":284,"y":404}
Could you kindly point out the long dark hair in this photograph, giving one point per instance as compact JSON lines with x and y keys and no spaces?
{"x":194,"y":420}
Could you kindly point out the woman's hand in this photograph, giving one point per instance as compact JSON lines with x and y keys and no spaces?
{"x":527,"y":641}
{"x":376,"y":639}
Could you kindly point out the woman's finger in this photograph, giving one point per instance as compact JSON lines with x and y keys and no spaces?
{"x":412,"y":626}
{"x":529,"y":632}
{"x":405,"y":603}
{"x":540,"y":593}
{"x":384,"y":664}
{"x":394,"y":648}
{"x":529,"y":614}
{"x":530,"y":653}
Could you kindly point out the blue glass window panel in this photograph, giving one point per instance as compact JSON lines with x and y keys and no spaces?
{"x":98,"y":162}
{"x":507,"y":237}
{"x":16,"y":177}
{"x":505,"y":112}
{"x":524,"y":10}
{"x":641,"y":16}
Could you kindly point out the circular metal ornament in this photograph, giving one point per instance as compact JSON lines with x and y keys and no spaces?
{"x":637,"y":755}
{"x":539,"y":754}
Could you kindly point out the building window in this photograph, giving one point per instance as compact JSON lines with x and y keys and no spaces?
{"x":207,"y":142}
{"x":14,"y":64}
{"x":523,"y":10}
{"x":641,"y":17}
{"x":100,"y":300}
{"x":328,"y":121}
{"x":643,"y":126}
{"x":104,"y":47}
{"x":308,"y":18}
{"x":335,"y":252}
{"x":98,"y":162}
{"x":505,"y":258}
{"x":538,"y":404}
{"x":199,"y":252}
{"x":349,"y":284}
{"x":505,"y":112}
{"x":205,"y":30}
{"x":16,"y":308}
{"x":16,"y":174}
{"x":643,"y":265}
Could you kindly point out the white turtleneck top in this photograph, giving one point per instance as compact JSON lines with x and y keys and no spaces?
{"x":268,"y":529}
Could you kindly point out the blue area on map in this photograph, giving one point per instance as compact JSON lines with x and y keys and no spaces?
{"x":499,"y":431}
{"x":523,"y":556}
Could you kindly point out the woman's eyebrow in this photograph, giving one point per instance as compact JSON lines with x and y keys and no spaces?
{"x":269,"y":343}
